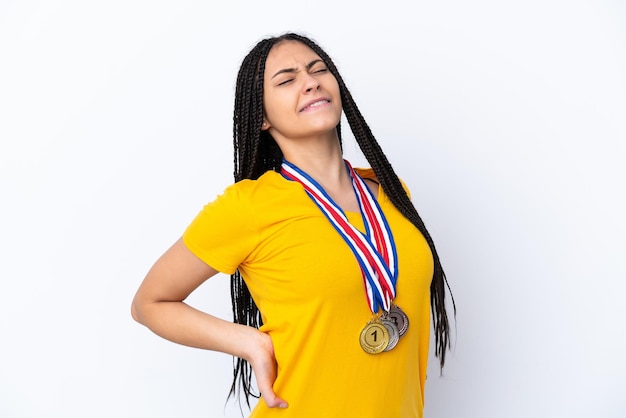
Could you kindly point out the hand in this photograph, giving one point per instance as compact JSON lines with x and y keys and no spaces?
{"x":263,"y":362}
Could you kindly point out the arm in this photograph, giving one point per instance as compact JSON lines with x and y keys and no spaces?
{"x":159,"y":305}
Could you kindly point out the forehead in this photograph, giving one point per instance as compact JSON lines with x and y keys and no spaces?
{"x":289,"y":54}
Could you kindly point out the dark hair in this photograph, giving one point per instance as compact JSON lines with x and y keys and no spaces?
{"x":256,"y":152}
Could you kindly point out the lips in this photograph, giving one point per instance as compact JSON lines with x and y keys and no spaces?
{"x":315,"y":103}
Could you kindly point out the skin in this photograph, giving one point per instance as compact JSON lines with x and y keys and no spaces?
{"x":294,"y":79}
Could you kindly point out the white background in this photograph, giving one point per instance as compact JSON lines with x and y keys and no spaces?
{"x":506,"y":119}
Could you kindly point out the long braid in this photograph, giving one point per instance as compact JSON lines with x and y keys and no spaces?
{"x":248,"y":164}
{"x":256,"y":152}
{"x":393,"y":189}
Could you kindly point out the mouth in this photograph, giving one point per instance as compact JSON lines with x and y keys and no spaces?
{"x":317,"y":103}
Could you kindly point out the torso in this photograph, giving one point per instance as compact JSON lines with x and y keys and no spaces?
{"x":309,"y":288}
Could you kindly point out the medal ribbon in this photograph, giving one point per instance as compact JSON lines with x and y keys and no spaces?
{"x":374,"y":250}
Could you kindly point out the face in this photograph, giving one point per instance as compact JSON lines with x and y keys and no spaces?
{"x":301,"y":96}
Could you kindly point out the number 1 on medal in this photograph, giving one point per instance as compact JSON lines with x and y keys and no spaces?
{"x":369,"y":337}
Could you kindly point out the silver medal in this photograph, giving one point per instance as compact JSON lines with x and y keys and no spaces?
{"x":392,"y":329}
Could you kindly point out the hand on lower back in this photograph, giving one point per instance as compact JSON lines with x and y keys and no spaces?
{"x":263,"y":363}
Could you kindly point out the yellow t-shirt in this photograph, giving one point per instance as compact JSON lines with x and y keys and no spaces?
{"x":308,"y":286}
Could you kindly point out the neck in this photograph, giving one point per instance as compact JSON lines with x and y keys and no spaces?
{"x":322,"y":160}
{"x":333,"y":177}
{"x":326,"y":165}
{"x":329,"y":170}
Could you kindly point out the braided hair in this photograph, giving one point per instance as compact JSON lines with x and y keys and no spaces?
{"x":256,"y":152}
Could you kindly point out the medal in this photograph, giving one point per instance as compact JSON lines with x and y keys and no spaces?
{"x":392,"y":329}
{"x":375,"y":251}
{"x":401,"y":320}
{"x":374,"y":337}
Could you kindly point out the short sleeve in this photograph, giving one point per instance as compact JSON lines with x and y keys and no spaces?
{"x":222,"y":234}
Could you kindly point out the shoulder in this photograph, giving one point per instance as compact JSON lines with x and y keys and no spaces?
{"x":253,"y":197}
{"x":236,"y":210}
{"x":268,"y":183}
{"x":368,"y":174}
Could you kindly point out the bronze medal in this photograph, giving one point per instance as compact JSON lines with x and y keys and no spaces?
{"x":374,"y":337}
{"x":401,"y":319}
{"x":392,"y":329}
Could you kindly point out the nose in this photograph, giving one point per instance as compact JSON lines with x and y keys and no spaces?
{"x":311,"y":84}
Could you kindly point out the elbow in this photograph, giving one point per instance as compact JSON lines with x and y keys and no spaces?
{"x":135,"y":311}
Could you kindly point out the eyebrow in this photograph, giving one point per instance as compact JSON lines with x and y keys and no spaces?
{"x":293,"y":70}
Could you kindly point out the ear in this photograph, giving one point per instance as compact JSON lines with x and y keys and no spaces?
{"x":265,"y":126}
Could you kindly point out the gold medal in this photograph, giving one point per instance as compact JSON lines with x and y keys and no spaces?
{"x":374,"y":337}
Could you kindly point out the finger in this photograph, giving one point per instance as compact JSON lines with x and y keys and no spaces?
{"x":270,"y":397}
{"x":273,"y":401}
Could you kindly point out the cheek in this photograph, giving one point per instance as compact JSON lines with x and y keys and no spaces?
{"x":274,"y":107}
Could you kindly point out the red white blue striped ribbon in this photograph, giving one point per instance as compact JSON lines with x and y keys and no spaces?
{"x":375,"y":249}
